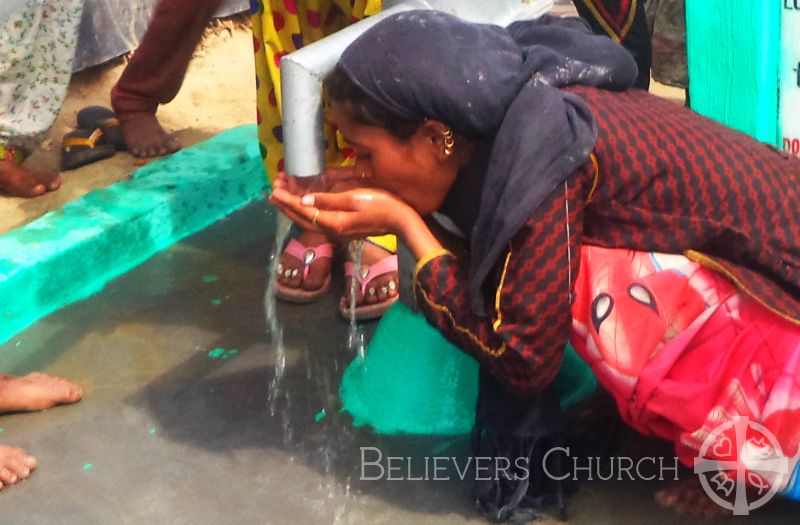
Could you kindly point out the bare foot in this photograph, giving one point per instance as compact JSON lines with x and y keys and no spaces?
{"x":15,"y":465}
{"x":19,"y":181}
{"x":36,"y":391}
{"x":145,"y":136}
{"x":687,"y":497}
{"x":379,"y":289}
{"x":318,"y":271}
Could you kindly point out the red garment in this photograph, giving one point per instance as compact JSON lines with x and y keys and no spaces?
{"x":667,"y":180}
{"x":684,"y":353}
{"x":671,"y":181}
{"x":155,"y":72}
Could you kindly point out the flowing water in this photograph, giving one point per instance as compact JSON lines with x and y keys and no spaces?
{"x":355,"y":339}
{"x":355,"y":335}
{"x":274,"y":329}
{"x":279,"y":399}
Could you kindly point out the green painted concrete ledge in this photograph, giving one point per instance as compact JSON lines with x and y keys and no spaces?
{"x":70,"y":254}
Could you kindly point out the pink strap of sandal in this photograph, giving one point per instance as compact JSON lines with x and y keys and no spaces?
{"x":308,"y":254}
{"x":370,"y":273}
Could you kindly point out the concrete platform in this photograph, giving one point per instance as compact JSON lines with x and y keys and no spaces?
{"x":170,"y":431}
{"x":69,"y":254}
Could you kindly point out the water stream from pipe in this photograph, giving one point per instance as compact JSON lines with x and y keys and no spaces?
{"x":279,"y":398}
{"x":355,"y":335}
{"x":274,"y":329}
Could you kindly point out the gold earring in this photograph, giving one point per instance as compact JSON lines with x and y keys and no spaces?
{"x":449,"y":141}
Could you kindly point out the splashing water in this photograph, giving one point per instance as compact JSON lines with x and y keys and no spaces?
{"x":279,"y":397}
{"x":274,"y":330}
{"x":355,"y":334}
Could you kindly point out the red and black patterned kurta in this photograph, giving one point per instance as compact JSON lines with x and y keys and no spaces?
{"x":662,"y":178}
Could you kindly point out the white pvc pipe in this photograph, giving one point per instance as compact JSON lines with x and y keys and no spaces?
{"x":302,"y":74}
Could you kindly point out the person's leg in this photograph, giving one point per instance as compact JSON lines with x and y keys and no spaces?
{"x":36,"y":391}
{"x":627,"y":25}
{"x":15,"y":465}
{"x":19,"y":181}
{"x":38,"y":50}
{"x":291,"y":269}
{"x":155,"y":73}
{"x":29,"y":393}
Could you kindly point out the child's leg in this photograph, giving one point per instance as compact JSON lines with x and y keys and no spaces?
{"x":156,"y":71}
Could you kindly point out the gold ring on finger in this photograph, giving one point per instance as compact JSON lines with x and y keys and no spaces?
{"x":314,"y":218}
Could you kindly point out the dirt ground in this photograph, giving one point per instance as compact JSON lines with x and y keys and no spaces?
{"x":218,"y":93}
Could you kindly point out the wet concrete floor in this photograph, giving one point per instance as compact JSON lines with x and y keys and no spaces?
{"x":175,"y":428}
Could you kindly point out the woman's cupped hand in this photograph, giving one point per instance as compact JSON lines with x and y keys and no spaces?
{"x":344,"y":215}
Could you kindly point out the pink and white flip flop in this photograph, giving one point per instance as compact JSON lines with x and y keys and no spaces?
{"x":307,"y":255}
{"x":368,"y":274}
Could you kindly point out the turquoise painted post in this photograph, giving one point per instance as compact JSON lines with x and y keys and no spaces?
{"x":734,"y":56}
{"x":790,"y":77}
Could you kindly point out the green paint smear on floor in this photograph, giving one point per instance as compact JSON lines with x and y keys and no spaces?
{"x":71,"y":253}
{"x":221,"y":353}
{"x":414,"y":381}
{"x":216,"y":353}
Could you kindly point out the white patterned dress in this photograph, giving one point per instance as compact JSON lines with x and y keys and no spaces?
{"x":37,"y":49}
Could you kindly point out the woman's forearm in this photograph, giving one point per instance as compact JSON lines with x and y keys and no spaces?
{"x":417,"y":236}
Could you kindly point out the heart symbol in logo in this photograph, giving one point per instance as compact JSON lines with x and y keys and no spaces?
{"x":723,"y":447}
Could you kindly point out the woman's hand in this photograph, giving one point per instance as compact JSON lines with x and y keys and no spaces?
{"x":355,"y":213}
{"x":348,"y":214}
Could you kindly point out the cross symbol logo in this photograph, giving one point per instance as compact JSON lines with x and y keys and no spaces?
{"x":738,"y":454}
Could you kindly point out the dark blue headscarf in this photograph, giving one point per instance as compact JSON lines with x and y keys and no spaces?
{"x":489,"y":81}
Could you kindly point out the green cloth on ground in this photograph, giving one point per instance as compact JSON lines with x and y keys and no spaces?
{"x":414,"y":381}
